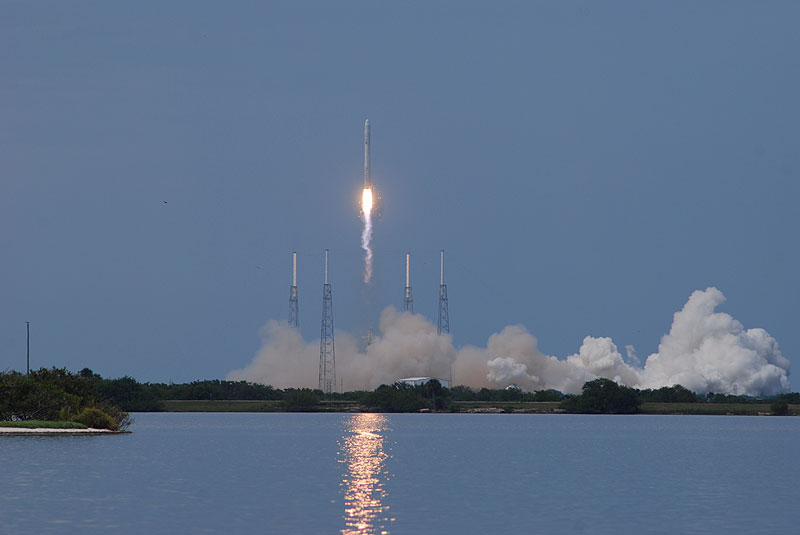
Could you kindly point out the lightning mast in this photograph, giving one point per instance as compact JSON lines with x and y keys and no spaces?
{"x":327,"y":353}
{"x":294,"y":310}
{"x":408,"y":302}
{"x":443,"y":325}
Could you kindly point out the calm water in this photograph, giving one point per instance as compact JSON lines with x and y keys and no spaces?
{"x":409,"y":473}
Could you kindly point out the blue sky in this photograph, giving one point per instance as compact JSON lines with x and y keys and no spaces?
{"x":586,"y":166}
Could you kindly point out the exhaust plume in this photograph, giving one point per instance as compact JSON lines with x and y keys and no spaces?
{"x":407,"y":345}
{"x":366,"y":209}
{"x":366,"y":233}
{"x":709,"y":351}
{"x":705,"y":351}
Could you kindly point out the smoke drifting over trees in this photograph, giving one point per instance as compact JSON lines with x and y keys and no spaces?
{"x":705,"y":351}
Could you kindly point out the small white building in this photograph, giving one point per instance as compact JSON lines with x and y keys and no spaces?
{"x":417,"y":381}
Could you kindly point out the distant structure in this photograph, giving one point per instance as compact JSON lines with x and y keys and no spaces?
{"x":443,"y":325}
{"x":294,"y":309}
{"x":419,"y":381}
{"x":327,"y":353}
{"x":369,"y":338}
{"x":28,"y":349}
{"x":408,"y":302}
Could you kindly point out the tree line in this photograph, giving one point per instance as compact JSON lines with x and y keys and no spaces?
{"x":45,"y":392}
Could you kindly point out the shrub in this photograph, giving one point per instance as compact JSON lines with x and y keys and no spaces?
{"x":791,"y":397}
{"x":25,"y":397}
{"x":545,"y":395}
{"x":301,"y":401}
{"x":55,"y":394}
{"x":603,"y":396}
{"x":97,"y":419}
{"x":122,"y":418}
{"x":669,"y":394}
{"x":779,"y":407}
{"x":129,"y":394}
{"x":395,"y":398}
{"x":65,"y":414}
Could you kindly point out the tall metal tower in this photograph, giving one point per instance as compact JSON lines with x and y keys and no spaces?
{"x":443,"y":325}
{"x":408,"y":302}
{"x":327,"y":353}
{"x":294,"y":309}
{"x":369,"y":338}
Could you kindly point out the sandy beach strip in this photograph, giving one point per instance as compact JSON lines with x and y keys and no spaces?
{"x":17,"y":431}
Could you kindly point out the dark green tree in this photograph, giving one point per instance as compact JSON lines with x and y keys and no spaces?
{"x":129,"y":394}
{"x":544,"y":395}
{"x":304,"y":400}
{"x":23,"y":397}
{"x":395,"y":398}
{"x":779,"y":407}
{"x":669,"y":394}
{"x":438,"y":394}
{"x":462,"y":393}
{"x":790,"y":397}
{"x":603,"y":396}
{"x":53,"y":394}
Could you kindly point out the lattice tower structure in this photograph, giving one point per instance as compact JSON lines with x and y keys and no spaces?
{"x":369,"y":338}
{"x":327,"y":351}
{"x":443,"y":324}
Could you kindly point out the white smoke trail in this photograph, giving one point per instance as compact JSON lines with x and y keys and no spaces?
{"x":366,"y":239}
{"x":366,"y":233}
{"x":705,"y":351}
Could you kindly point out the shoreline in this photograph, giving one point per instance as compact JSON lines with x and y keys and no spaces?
{"x":47,"y":431}
{"x":479,"y":407}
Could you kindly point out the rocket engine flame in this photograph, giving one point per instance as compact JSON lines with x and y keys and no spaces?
{"x":366,"y":233}
{"x":366,"y":201}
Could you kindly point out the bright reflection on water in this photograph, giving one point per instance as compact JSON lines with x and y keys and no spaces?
{"x":363,"y":484}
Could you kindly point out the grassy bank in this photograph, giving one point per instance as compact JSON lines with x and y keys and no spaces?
{"x":233,"y":405}
{"x":42,"y":424}
{"x":739,"y":409}
{"x":180,"y":405}
{"x":507,"y":407}
{"x":517,"y":407}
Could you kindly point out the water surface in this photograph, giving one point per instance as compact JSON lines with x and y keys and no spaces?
{"x":409,"y":473}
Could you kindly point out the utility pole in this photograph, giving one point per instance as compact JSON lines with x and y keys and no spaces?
{"x":28,"y":351}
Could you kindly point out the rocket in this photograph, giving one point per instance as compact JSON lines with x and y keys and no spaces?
{"x":367,"y":174}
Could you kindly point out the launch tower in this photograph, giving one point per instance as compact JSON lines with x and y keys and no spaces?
{"x":443,"y":325}
{"x":327,"y":353}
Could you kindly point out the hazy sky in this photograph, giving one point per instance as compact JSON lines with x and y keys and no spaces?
{"x":586,"y":166}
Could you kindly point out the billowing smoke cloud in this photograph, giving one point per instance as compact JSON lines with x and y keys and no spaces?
{"x":407,"y":346}
{"x":284,"y":360}
{"x":514,"y":358}
{"x":709,"y":351}
{"x":705,"y":351}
